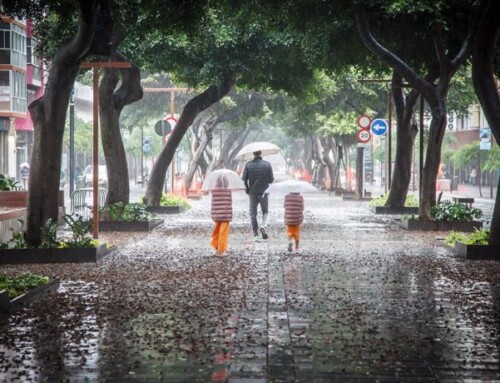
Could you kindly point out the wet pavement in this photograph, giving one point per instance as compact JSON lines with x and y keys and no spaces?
{"x":363,"y":301}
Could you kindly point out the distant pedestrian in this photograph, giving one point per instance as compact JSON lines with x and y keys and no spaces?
{"x":473,"y":176}
{"x":294,"y":217}
{"x":222,"y":214}
{"x":257,"y":176}
{"x":25,"y":174}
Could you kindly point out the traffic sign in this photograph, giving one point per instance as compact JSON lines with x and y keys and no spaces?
{"x":363,"y":136}
{"x":364,"y":121}
{"x":164,"y":127}
{"x":379,"y":127}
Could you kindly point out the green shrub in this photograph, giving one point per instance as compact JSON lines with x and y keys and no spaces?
{"x":448,"y":211}
{"x":411,"y":201}
{"x":478,"y":237}
{"x":20,"y":284}
{"x":455,"y":236}
{"x":173,"y":200}
{"x":80,"y":229}
{"x":8,"y":184}
{"x":78,"y":226}
{"x":126,"y":212}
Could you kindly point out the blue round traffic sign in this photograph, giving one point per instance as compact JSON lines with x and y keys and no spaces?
{"x":379,"y":127}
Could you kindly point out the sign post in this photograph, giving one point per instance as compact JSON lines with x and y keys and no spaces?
{"x":379,"y":127}
{"x":172,"y":112}
{"x":363,"y":136}
{"x":364,"y":121}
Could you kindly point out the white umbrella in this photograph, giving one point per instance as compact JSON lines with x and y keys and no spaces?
{"x":218,"y":177}
{"x":246,"y":153}
{"x":291,"y":186}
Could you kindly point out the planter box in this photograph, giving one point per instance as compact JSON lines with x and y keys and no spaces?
{"x":415,"y":224}
{"x":13,"y":198}
{"x":166,"y":209}
{"x":7,"y":304}
{"x":347,"y":195}
{"x":477,"y":251}
{"x":67,"y":255}
{"x":350,"y":196}
{"x":338,"y":192}
{"x":394,"y":210}
{"x":129,"y":225}
{"x":9,"y":222}
{"x":19,"y":199}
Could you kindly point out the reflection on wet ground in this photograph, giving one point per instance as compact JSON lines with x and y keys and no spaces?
{"x":363,"y":301}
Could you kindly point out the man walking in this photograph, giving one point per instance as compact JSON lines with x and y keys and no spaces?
{"x":257,"y":176}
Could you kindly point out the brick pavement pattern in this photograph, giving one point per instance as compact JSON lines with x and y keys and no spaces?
{"x":363,"y":301}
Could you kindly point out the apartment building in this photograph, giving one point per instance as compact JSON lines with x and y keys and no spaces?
{"x":21,"y":82}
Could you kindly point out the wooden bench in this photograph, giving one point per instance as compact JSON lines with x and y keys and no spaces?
{"x":465,"y":200}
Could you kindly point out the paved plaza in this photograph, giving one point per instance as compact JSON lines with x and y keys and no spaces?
{"x":363,"y":301}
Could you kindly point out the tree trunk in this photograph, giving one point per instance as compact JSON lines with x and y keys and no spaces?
{"x":485,"y":87}
{"x":223,"y":160}
{"x":207,"y":129}
{"x":307,"y":158}
{"x":239,"y":144}
{"x":347,"y":168}
{"x":435,"y":96}
{"x":330,"y":165}
{"x":358,"y":192}
{"x":49,"y":117}
{"x":432,"y":158}
{"x":111,"y":104}
{"x":194,"y":107}
{"x":405,"y":141}
{"x":336,"y":161}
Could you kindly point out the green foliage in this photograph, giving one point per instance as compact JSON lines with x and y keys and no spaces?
{"x":121,"y":211}
{"x":466,"y":155}
{"x":492,"y":162}
{"x":49,"y":235}
{"x":411,"y":200}
{"x":455,"y":236}
{"x":80,"y":229}
{"x":173,"y":200}
{"x":20,"y":284}
{"x":478,"y":237}
{"x":461,"y":94}
{"x":8,"y":183}
{"x":448,"y":211}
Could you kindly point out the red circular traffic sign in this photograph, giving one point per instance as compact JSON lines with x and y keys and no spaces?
{"x":364,"y":121}
{"x":172,"y":122}
{"x":363,"y":136}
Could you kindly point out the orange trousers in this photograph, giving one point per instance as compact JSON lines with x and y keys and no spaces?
{"x":293,"y":231}
{"x":220,"y":236}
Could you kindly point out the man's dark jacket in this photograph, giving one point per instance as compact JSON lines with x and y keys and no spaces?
{"x":258,"y":174}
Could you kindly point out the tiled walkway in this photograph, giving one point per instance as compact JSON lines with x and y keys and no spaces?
{"x":365,"y":301}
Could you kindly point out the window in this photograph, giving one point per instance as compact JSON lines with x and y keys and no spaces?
{"x":4,"y":46}
{"x":12,"y":45}
{"x":4,"y":90}
{"x":31,"y":58}
{"x":19,"y":92}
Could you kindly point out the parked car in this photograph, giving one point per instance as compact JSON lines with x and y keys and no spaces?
{"x":102,"y":176}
